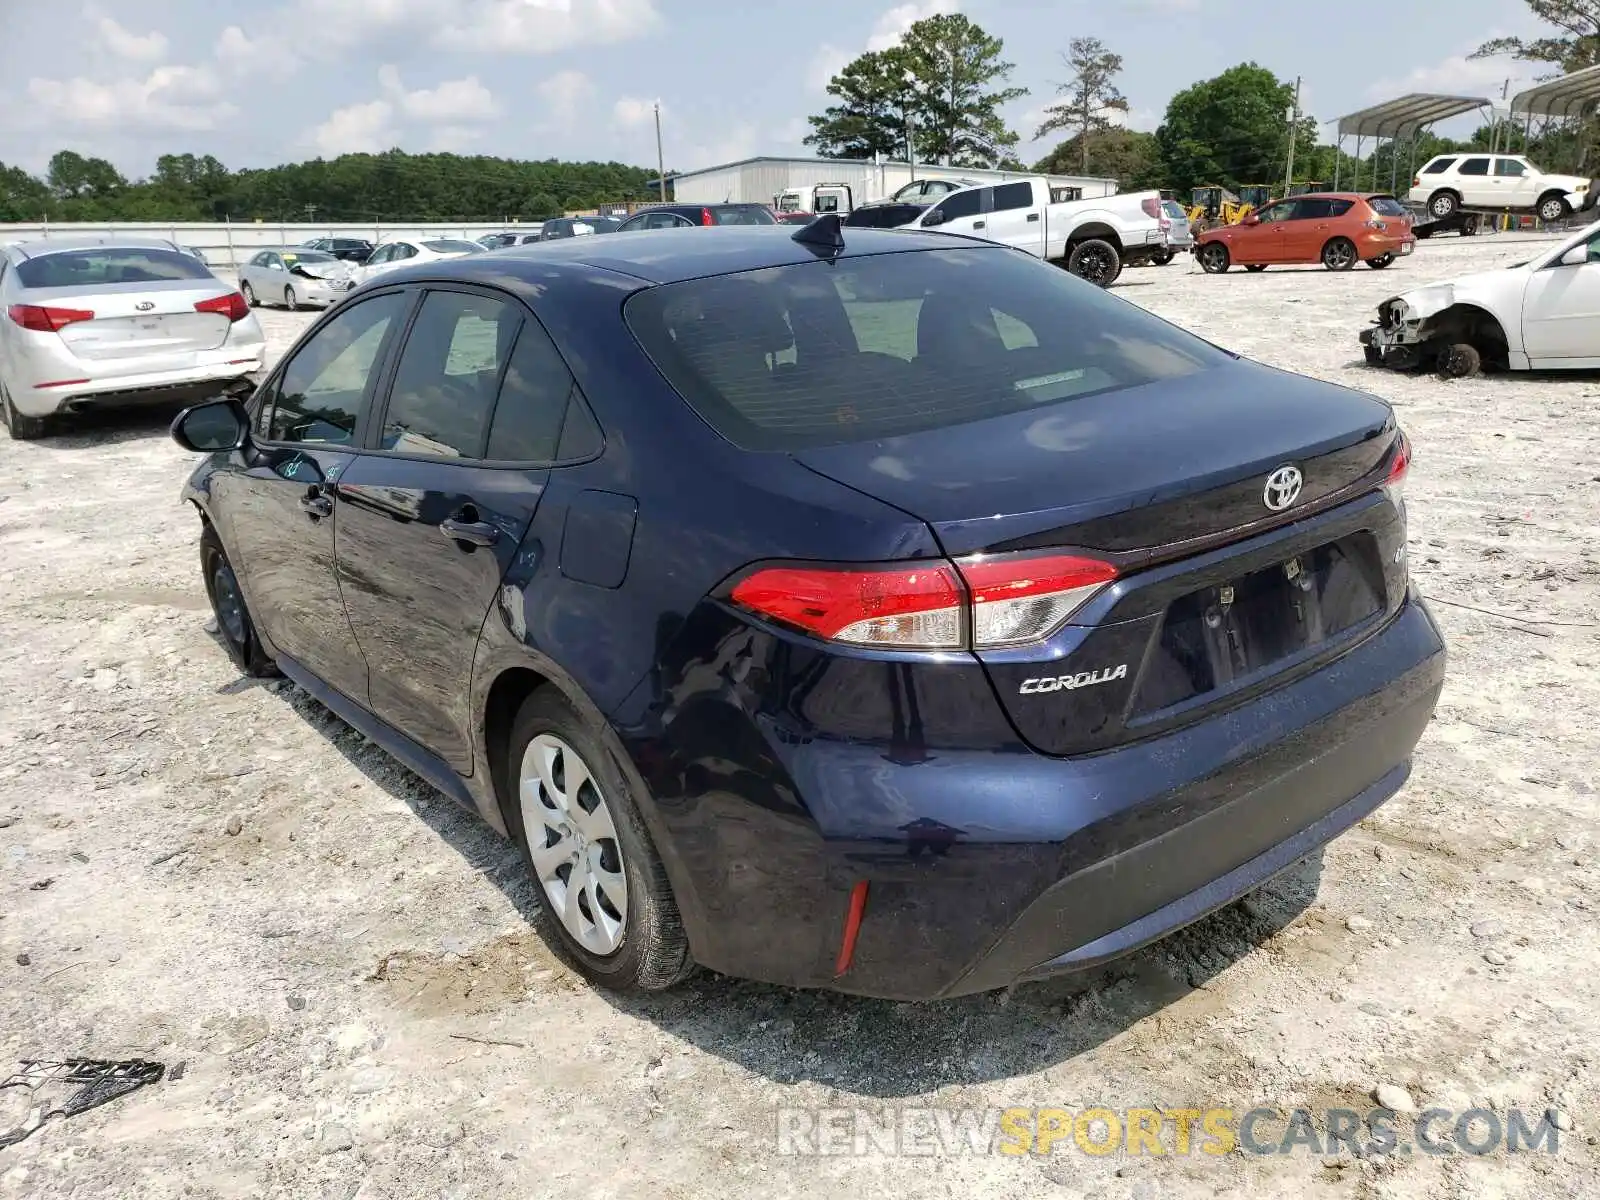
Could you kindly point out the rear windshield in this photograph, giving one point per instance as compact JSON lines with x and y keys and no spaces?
{"x":1173,"y":209}
{"x":1387,"y":206}
{"x":108,"y":264}
{"x":793,"y":357}
{"x":450,"y":246}
{"x":744,"y":214}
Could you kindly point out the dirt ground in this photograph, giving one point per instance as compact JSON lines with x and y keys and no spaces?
{"x":223,"y":877}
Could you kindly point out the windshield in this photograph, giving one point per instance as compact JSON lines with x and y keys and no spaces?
{"x":307,"y":256}
{"x":450,"y":246}
{"x":108,"y":264}
{"x":788,"y":358}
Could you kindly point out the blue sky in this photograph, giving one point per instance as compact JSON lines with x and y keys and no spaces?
{"x":267,"y":81}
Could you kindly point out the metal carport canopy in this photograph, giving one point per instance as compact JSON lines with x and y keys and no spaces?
{"x":1564,"y":97}
{"x":1407,"y":115}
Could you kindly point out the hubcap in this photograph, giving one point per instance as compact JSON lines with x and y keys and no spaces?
{"x":1552,"y":210}
{"x":1213,"y":257}
{"x":1442,"y":206}
{"x":573,"y":843}
{"x":1338,"y":256}
{"x":229,"y":605}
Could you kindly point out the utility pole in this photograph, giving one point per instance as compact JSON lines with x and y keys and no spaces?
{"x":661,"y":163}
{"x":1294,"y":127}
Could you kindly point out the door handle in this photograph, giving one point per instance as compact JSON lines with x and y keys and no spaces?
{"x":476,"y":533}
{"x":316,"y":505}
{"x":1033,"y":216}
{"x":978,"y":224}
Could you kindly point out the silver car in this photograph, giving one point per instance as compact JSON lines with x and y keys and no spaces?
{"x":294,"y":276}
{"x":102,"y":322}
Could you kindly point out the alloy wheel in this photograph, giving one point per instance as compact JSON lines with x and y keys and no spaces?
{"x":1552,"y":209}
{"x":572,"y":841}
{"x":290,"y":300}
{"x":1338,"y":255}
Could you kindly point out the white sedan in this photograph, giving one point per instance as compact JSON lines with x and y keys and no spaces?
{"x":1540,"y":315}
{"x":410,"y":252}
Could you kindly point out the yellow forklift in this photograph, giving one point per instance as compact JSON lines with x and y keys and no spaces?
{"x":1214,"y":205}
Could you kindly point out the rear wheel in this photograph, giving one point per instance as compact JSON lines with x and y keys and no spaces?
{"x":248,"y":293}
{"x":605,"y":904}
{"x":1213,"y":258}
{"x":1379,"y":263}
{"x":22,"y":428}
{"x":1443,"y":204}
{"x":1163,"y":258}
{"x":234,"y":625}
{"x":1553,"y":207}
{"x":1255,"y":267}
{"x":290,"y":300}
{"x":1339,"y":254}
{"x":1096,"y":261}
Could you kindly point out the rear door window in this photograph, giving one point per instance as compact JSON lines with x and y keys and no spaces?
{"x":816,"y":354}
{"x":1474,"y":166}
{"x":1013,"y":195}
{"x":1312,"y":209}
{"x":533,"y":402}
{"x":1338,"y":208}
{"x":1510,"y":167}
{"x":319,"y":394}
{"x":448,"y":375}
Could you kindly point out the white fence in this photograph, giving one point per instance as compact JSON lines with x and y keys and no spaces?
{"x":226,"y":244}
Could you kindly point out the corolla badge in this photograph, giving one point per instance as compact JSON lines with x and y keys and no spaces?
{"x":1068,"y":683}
{"x":1283,"y":488}
{"x":145,"y":305}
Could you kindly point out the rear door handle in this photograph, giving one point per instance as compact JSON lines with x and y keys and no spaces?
{"x":316,"y":505}
{"x":1033,"y":216}
{"x":476,"y":533}
{"x":978,"y":224}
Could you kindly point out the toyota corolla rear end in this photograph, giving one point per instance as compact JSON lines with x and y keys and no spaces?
{"x":110,"y":326}
{"x":1158,"y":643}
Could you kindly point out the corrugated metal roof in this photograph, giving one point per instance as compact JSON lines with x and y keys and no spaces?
{"x":1406,"y":115}
{"x":1564,"y":97}
{"x":972,"y":172}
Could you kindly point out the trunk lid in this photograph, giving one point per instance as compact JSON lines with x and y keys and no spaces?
{"x":153,"y":323}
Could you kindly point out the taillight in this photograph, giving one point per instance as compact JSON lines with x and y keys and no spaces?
{"x":42,"y":319}
{"x":1416,"y":181}
{"x":1394,"y":484}
{"x":231,"y":306}
{"x":705,"y":217}
{"x":1020,"y":598}
{"x":981,"y":602}
{"x":1376,"y":224}
{"x":1152,"y":208}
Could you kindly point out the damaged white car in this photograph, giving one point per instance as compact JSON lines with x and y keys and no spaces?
{"x":1538,"y":315}
{"x":295,"y":278}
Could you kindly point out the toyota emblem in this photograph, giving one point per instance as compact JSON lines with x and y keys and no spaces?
{"x":145,"y":305}
{"x":1283,"y":488}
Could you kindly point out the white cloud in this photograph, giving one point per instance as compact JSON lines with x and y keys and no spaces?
{"x":357,"y":129}
{"x":147,"y":47}
{"x":565,"y":93}
{"x":887,"y":31}
{"x":630,"y":111}
{"x":169,"y":98}
{"x":543,"y":26}
{"x":458,"y":102}
{"x":1458,"y":75}
{"x":237,"y":50}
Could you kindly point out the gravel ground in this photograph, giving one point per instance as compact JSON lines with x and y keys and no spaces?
{"x":222,"y":876}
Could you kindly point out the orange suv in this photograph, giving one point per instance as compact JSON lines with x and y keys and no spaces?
{"x":1337,"y":229}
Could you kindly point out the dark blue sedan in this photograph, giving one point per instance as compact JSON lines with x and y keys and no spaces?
{"x":902,"y":616}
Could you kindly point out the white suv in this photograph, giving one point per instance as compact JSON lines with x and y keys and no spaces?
{"x":1454,"y":181}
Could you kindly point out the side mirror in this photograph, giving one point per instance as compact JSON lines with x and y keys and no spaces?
{"x":213,"y":427}
{"x":1251,"y":219}
{"x":1575,"y":257}
{"x":936,"y":217}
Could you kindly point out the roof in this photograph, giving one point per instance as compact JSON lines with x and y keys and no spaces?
{"x":1407,"y":114}
{"x":673,"y":255}
{"x":1564,"y":97}
{"x":836,"y":163}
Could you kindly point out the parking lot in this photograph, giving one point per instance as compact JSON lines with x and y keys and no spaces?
{"x":212,"y":872}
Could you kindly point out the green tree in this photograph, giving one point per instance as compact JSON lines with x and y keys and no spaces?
{"x":944,"y":80}
{"x":1230,"y":130}
{"x":1090,"y":95}
{"x":74,"y":177}
{"x":22,"y":197}
{"x":1132,"y":158}
{"x":543,"y":204}
{"x":1576,"y":47}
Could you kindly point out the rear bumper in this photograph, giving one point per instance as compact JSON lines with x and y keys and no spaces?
{"x":991,"y":865}
{"x":187,"y":386}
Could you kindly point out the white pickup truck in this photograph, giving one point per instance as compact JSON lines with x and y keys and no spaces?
{"x":1094,"y":238}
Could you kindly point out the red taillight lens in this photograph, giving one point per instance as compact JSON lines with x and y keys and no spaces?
{"x":910,"y":606}
{"x":705,"y":217}
{"x":1377,"y":224}
{"x":1398,"y":469}
{"x":1021,"y":598}
{"x":231,"y":306}
{"x":1152,"y":208}
{"x":46,"y":320}
{"x":1008,"y":600}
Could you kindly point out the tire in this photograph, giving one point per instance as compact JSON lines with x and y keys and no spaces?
{"x":1255,"y":268}
{"x":248,"y":293}
{"x":1339,"y":254}
{"x":235,"y":626}
{"x":1469,"y":226}
{"x":1443,"y":204}
{"x":1163,"y":258}
{"x":1553,"y":207}
{"x":631,"y":943}
{"x":290,"y":300}
{"x":1459,"y":361}
{"x":22,"y":428}
{"x":1095,"y":261}
{"x":1379,"y":263}
{"x":1373,"y":355}
{"x":1214,"y":258}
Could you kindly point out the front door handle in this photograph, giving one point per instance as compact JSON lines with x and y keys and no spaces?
{"x":1033,"y":216}
{"x":977,"y":224}
{"x":476,"y":533}
{"x":316,"y":505}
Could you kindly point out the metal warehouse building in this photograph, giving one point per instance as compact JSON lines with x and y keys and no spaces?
{"x":758,"y":180}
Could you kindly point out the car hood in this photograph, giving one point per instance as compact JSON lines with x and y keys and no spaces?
{"x":1571,"y":183}
{"x":1481,"y":287}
